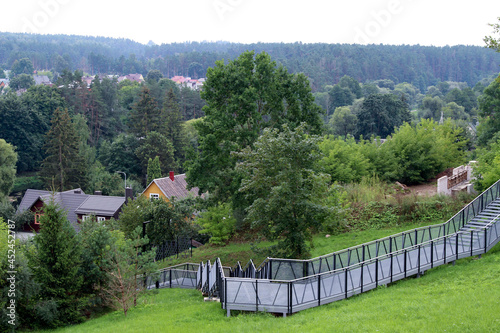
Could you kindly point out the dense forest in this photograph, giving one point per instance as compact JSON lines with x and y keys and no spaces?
{"x":323,"y":64}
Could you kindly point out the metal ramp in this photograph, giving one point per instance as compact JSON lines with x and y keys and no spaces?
{"x":288,"y":286}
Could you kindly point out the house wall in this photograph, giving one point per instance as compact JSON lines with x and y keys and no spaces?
{"x":37,"y":207}
{"x":153,"y":188}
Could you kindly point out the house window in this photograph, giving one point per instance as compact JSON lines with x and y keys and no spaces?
{"x":154,"y":196}
{"x":101,"y":218}
{"x":86,"y":218}
{"x":37,"y":218}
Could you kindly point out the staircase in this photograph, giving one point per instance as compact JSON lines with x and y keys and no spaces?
{"x":288,"y":286}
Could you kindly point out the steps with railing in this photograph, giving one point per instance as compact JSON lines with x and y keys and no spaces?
{"x":287,"y":285}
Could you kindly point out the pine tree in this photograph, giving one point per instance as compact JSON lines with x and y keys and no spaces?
{"x":63,"y":168}
{"x":56,"y":264}
{"x":172,"y":126}
{"x":154,"y":169}
{"x":145,"y":115}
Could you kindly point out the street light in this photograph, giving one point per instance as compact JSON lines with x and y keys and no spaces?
{"x":125,"y":177}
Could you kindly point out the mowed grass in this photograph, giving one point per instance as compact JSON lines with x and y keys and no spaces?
{"x":452,"y":298}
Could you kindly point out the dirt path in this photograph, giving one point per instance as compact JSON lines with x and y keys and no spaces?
{"x":424,"y":189}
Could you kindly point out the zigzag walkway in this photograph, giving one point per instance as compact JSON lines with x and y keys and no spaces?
{"x":288,"y":286}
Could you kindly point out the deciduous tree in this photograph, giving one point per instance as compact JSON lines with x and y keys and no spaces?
{"x":243,"y":97}
{"x":285,"y":192}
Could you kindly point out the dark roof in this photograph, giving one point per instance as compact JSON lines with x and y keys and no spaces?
{"x":69,"y":201}
{"x":176,"y":188}
{"x":31,"y":196}
{"x":100,"y":205}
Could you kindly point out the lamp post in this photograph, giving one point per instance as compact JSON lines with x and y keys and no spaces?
{"x":125,"y":177}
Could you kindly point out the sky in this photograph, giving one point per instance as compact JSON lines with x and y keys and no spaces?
{"x":395,"y":22}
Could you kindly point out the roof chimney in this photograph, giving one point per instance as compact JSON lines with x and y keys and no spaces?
{"x":129,"y":194}
{"x":172,"y":176}
{"x":97,"y":192}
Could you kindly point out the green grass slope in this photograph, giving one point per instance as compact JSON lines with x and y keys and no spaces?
{"x":452,"y":298}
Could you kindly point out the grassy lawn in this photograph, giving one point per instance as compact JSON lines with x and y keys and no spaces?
{"x":460,"y":298}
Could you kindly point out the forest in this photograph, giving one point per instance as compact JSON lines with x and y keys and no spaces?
{"x":279,"y":140}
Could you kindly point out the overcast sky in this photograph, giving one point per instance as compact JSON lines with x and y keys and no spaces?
{"x":424,"y":22}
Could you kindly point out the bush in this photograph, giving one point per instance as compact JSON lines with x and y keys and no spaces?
{"x":219,"y":223}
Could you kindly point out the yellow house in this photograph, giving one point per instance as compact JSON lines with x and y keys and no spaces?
{"x":168,"y":187}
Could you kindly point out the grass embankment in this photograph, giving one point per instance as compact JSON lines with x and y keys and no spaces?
{"x":460,"y":298}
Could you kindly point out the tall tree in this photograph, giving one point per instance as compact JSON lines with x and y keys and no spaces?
{"x":285,"y":192}
{"x":156,"y":144}
{"x":244,"y":97}
{"x":8,"y":159}
{"x":154,"y":169}
{"x":380,"y":114}
{"x":145,"y":116}
{"x":343,"y":122}
{"x":173,"y":128}
{"x":64,"y":167}
{"x":56,"y":263}
{"x":22,"y":66}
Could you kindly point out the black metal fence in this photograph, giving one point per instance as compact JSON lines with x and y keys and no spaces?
{"x":180,"y":247}
{"x":287,"y":286}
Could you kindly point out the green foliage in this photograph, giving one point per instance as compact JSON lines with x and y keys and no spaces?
{"x":101,"y":180}
{"x":285,"y":192}
{"x":173,"y":129}
{"x":424,"y":150}
{"x":63,"y":168}
{"x":343,"y":122}
{"x":145,"y":116}
{"x":22,"y":183}
{"x":96,"y":241}
{"x":119,"y":155}
{"x":167,"y":219}
{"x":487,"y":170}
{"x":380,"y":114}
{"x":125,"y":266}
{"x":154,"y":169}
{"x":243,"y":97}
{"x":218,"y":222}
{"x":344,"y":160}
{"x":8,"y":159}
{"x":490,"y":41}
{"x":23,"y":81}
{"x":22,"y":66}
{"x":154,"y":75}
{"x":153,"y":145}
{"x":56,"y":265}
{"x":489,"y":111}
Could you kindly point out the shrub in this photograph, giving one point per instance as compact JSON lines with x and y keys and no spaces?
{"x":219,"y":223}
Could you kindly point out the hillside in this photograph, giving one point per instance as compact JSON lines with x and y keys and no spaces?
{"x":452,"y":298}
{"x":322,"y":63}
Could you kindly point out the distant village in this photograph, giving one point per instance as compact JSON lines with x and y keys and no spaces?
{"x":181,"y":81}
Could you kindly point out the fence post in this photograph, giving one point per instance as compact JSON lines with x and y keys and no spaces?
{"x":256,"y":295}
{"x":361,"y":277}
{"x":290,"y":296}
{"x":405,"y":262}
{"x":416,"y":236}
{"x":471,"y":242}
{"x":418,"y":269}
{"x":191,"y":246}
{"x":432,"y":254}
{"x":390,"y":251}
{"x":376,"y":271}
{"x":270,"y":274}
{"x":456,"y":248}
{"x":319,"y":289}
{"x":345,"y":283}
{"x":444,"y":251}
{"x":170,"y":278}
{"x":485,"y":240}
